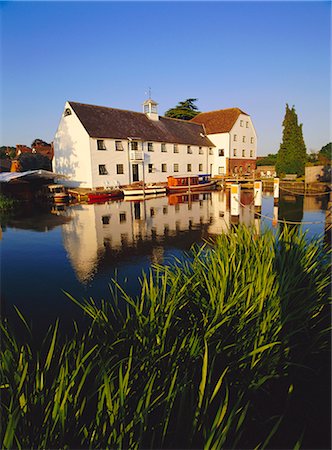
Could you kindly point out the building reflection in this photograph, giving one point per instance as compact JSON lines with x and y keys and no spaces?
{"x":102,"y":235}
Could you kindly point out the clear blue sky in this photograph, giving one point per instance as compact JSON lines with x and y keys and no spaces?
{"x":253,"y":55}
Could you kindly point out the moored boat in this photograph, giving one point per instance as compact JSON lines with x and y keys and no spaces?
{"x":187,"y":183}
{"x":56,"y":193}
{"x":139,"y":190}
{"x":104,"y":196}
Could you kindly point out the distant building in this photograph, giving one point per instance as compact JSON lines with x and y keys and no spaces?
{"x":41,"y":148}
{"x":96,"y":146}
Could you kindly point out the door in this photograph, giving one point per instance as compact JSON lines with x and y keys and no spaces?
{"x":135,"y":172}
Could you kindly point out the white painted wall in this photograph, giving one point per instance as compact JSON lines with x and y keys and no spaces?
{"x":111,"y":157}
{"x":247,"y":131}
{"x":221,"y":142}
{"x":72,"y":151}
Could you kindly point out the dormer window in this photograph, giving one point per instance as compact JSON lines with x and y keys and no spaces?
{"x":67,"y":112}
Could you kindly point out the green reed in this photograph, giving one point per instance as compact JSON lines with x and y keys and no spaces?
{"x":187,"y":363}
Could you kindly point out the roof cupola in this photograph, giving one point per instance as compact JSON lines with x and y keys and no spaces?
{"x":150,"y":108}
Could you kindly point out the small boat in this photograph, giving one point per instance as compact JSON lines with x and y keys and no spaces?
{"x":56,"y":193}
{"x":104,"y":196}
{"x":139,"y":190}
{"x":190,"y":183}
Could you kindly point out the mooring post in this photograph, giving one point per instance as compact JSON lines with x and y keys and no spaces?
{"x":258,"y":195}
{"x":276,"y":191}
{"x":275,"y":216}
{"x":235,"y":199}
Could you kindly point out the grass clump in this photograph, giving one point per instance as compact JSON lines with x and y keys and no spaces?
{"x":216,"y":351}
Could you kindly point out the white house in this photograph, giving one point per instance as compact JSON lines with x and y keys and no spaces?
{"x":233,"y":134}
{"x":96,"y":146}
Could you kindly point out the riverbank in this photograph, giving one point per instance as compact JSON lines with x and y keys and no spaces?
{"x":227,"y":349}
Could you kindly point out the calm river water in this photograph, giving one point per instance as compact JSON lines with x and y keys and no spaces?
{"x":80,"y":248}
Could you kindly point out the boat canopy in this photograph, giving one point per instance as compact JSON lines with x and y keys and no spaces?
{"x":7,"y":177}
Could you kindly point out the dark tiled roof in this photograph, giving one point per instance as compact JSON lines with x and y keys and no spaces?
{"x":220,"y":121}
{"x":102,"y":122}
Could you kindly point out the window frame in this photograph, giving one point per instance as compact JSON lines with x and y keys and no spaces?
{"x":101,"y":144}
{"x":102,"y":171}
{"x":119,"y":148}
{"x":118,"y":167}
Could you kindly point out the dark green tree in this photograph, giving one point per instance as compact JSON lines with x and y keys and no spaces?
{"x":34,"y":161}
{"x":325,"y":153}
{"x":268,"y":160}
{"x":292,"y":154}
{"x":183,"y":110}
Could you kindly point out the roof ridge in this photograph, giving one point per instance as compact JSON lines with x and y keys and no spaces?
{"x":224,"y":109}
{"x":107,"y":107}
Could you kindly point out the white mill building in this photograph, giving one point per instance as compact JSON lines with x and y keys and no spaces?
{"x":97,"y":146}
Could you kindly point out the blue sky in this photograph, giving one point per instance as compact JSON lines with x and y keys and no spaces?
{"x":253,"y":55}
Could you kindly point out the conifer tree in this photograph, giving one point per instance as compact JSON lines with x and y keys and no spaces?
{"x":292,"y":155}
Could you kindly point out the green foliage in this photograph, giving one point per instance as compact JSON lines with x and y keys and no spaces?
{"x":33,"y":161}
{"x":183,"y":110}
{"x":7,"y":152}
{"x":326,"y":152}
{"x":206,"y":356}
{"x":269,"y":160}
{"x":6,"y":203}
{"x":291,"y":156}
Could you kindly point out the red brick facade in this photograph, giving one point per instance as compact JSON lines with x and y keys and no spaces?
{"x":241,"y":166}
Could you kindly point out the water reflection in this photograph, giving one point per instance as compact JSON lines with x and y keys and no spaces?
{"x":103,"y":234}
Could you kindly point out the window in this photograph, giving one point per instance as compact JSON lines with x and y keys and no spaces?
{"x":243,"y":139}
{"x":67,"y":112}
{"x":176,"y":167}
{"x":102,"y":169}
{"x":105,"y":220}
{"x":251,"y":153}
{"x":189,"y":149}
{"x":248,"y":168}
{"x":119,"y":169}
{"x":241,"y":123}
{"x":200,"y":150}
{"x":152,"y":211}
{"x":118,"y":146}
{"x":188,"y":167}
{"x":251,"y":140}
{"x":165,"y":210}
{"x":150,"y":168}
{"x":164,"y":167}
{"x":234,"y":137}
{"x":243,"y":152}
{"x":200,"y":167}
{"x":234,"y":152}
{"x":134,"y":146}
{"x":221,"y":152}
{"x":150,"y":146}
{"x":221,"y":170}
{"x":210,"y":151}
{"x":122,"y":217}
{"x":101,"y":144}
{"x":247,"y":124}
{"x":163,"y":148}
{"x":175,"y":148}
